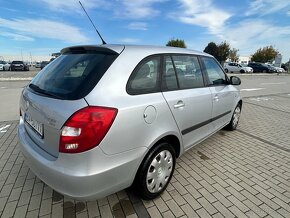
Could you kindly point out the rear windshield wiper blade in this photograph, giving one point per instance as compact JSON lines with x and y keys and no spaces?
{"x":39,"y":90}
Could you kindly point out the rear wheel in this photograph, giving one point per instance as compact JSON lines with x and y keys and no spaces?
{"x":235,"y":118}
{"x":155,"y":172}
{"x":226,"y":70}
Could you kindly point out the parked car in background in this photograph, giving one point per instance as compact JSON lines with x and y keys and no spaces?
{"x":271,"y":67}
{"x":284,"y":66}
{"x":37,"y":64}
{"x":77,"y":110}
{"x":4,"y":65}
{"x":276,"y":69}
{"x":19,"y":65}
{"x":260,"y":67}
{"x":236,"y":67}
{"x":43,"y":64}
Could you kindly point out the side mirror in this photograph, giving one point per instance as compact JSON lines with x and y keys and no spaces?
{"x":234,"y":80}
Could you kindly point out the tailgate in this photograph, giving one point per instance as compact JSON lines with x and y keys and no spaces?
{"x":44,"y":118}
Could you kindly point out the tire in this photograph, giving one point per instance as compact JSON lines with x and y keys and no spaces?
{"x":235,"y":118}
{"x":226,"y":70}
{"x":155,"y":172}
{"x":242,"y":71}
{"x":264,"y":71}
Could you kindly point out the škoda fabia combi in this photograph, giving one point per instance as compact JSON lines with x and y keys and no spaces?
{"x":99,"y":119}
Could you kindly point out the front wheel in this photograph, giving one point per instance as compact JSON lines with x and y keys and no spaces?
{"x":155,"y":171}
{"x":235,"y":118}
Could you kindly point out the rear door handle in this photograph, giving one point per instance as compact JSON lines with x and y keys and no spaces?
{"x":179,"y":104}
{"x":216,"y":98}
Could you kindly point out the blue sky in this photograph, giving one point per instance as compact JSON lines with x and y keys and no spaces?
{"x":41,"y":27}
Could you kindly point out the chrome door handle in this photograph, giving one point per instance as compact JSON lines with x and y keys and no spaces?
{"x":179,"y":104}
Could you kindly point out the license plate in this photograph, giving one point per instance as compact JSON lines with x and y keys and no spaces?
{"x":35,"y":125}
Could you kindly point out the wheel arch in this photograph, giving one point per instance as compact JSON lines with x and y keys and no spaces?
{"x":169,"y":138}
{"x":172,"y":140}
{"x":240,"y":103}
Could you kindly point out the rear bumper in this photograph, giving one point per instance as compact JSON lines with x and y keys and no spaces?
{"x":84,"y":176}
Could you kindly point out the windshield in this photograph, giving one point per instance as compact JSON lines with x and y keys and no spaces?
{"x":72,"y":76}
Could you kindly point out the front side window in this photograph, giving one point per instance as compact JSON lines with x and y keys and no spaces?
{"x":188,"y":71}
{"x":144,"y":78}
{"x":215,"y":74}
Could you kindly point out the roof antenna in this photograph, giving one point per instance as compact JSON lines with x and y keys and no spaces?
{"x":92,"y":23}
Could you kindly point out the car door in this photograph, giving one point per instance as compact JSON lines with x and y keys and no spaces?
{"x":223,"y":94}
{"x":232,"y":67}
{"x":189,"y":100}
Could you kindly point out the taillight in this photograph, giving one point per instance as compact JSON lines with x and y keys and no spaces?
{"x":86,"y":128}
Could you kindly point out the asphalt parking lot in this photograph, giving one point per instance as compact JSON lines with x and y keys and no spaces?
{"x":244,"y":173}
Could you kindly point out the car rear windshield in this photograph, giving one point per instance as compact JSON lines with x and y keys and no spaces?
{"x":17,"y":62}
{"x":72,"y":76}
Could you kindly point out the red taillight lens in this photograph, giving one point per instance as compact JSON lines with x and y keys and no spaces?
{"x":86,"y":128}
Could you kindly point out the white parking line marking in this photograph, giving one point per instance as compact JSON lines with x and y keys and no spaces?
{"x":3,"y":87}
{"x":273,"y":83}
{"x":261,"y":99}
{"x":253,"y":89}
{"x":4,"y":128}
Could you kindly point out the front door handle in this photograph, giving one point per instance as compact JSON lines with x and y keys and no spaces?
{"x":179,"y":104}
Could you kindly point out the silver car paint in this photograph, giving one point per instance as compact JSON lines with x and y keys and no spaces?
{"x":84,"y":176}
{"x":112,"y":165}
{"x":52,"y":113}
{"x":190,"y":114}
{"x":223,"y":101}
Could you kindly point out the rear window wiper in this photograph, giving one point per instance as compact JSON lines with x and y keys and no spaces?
{"x":39,"y":90}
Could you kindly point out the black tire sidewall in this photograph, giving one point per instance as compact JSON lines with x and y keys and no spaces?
{"x":140,"y":180}
{"x":231,"y":126}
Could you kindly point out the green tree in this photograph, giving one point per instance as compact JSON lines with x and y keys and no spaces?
{"x":233,"y":55}
{"x":176,"y":43}
{"x":266,"y":54}
{"x":220,"y":52}
{"x":223,"y":51}
{"x":212,"y":49}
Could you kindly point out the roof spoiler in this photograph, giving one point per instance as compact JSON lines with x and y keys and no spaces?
{"x":87,"y":49}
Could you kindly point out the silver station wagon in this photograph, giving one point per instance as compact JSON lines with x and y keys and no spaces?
{"x":99,"y":119}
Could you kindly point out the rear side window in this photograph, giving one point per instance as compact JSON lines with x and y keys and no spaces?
{"x":72,"y":75}
{"x":215,"y":74}
{"x":169,"y":81}
{"x":188,"y":71}
{"x":145,"y":77}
